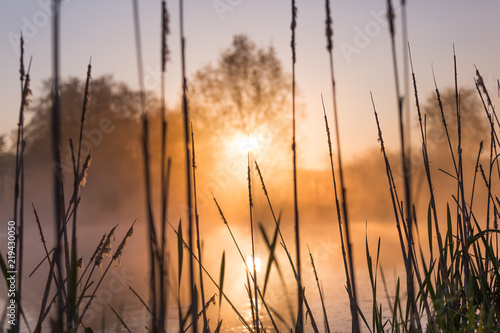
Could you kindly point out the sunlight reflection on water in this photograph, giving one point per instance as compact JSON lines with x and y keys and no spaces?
{"x":324,"y":248}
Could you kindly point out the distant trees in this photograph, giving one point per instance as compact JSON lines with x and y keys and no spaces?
{"x":474,"y":122}
{"x":246,"y":89}
{"x":111,"y":133}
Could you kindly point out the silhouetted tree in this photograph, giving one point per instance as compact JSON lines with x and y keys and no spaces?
{"x":245,"y":90}
{"x":474,"y":122}
{"x":111,"y":133}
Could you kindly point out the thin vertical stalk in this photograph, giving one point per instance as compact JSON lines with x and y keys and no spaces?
{"x":254,"y":270}
{"x":164,"y":171}
{"x":153,"y":245}
{"x":445,"y":125}
{"x":72,"y":278}
{"x":460,"y":189}
{"x":283,"y":244}
{"x":185,"y":109}
{"x":56,"y":156}
{"x":442,"y":264}
{"x":300,"y":321}
{"x":338,"y":208}
{"x":19,"y":179}
{"x":392,"y":185}
{"x":406,"y":175}
{"x":343,"y":199}
{"x":247,"y":269}
{"x":198,"y":239}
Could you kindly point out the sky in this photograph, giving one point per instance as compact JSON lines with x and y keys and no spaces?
{"x":103,"y":30}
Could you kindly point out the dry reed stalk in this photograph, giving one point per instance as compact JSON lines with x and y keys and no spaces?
{"x":254,"y":271}
{"x":218,"y":286}
{"x":283,"y":244}
{"x":343,"y":199}
{"x":120,"y":319}
{"x":338,"y":208}
{"x":19,"y":180}
{"x":115,"y":258}
{"x":442,"y":263}
{"x":405,"y":161}
{"x":264,"y":303}
{"x":185,"y":113}
{"x":152,"y":237}
{"x":206,"y":328}
{"x":165,"y":167}
{"x":300,"y":317}
{"x":327,"y":325}
{"x":56,"y":156}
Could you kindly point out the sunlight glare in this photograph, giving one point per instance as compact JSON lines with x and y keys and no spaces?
{"x":247,"y":144}
{"x":257,"y":263}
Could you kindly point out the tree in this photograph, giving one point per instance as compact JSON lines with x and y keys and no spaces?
{"x":111,"y":132}
{"x":246,"y":91}
{"x":474,"y":122}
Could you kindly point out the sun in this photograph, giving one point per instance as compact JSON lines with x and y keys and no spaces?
{"x":250,"y":263}
{"x":246,"y":144}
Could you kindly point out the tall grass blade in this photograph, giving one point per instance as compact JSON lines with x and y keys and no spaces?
{"x":221,"y":283}
{"x":327,"y":326}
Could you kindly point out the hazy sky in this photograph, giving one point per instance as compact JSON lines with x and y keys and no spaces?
{"x":104,"y":30}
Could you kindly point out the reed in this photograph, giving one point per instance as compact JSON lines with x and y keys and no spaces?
{"x":185,"y":113}
{"x":300,"y":319}
{"x":56,"y":143}
{"x":206,"y":327}
{"x":351,"y":281}
{"x":406,"y":165}
{"x":451,"y":282}
{"x":165,"y":166}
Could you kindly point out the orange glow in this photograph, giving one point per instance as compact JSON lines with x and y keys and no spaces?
{"x":245,"y":144}
{"x":251,"y":262}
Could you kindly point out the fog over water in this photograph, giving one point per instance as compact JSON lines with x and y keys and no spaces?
{"x":114,"y":195}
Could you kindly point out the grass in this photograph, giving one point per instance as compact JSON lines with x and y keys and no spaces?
{"x":452,"y":279}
